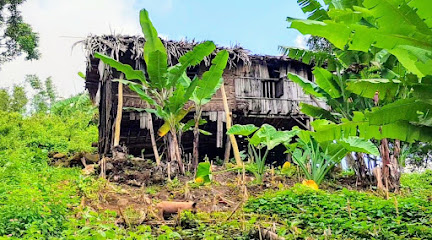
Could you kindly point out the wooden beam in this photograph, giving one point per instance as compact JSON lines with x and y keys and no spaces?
{"x":119,"y":113}
{"x":236,"y":151}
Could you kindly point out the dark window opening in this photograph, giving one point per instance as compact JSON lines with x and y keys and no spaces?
{"x":272,"y":89}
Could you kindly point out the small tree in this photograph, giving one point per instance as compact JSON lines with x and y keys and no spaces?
{"x":44,"y":96}
{"x":17,"y":37}
{"x":14,"y":102}
{"x":206,"y":88}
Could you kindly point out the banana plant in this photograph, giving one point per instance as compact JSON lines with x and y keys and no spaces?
{"x":402,"y":86}
{"x":260,"y":141}
{"x":207,"y":86}
{"x":166,"y":89}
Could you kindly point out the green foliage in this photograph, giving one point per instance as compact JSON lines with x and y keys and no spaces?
{"x":387,"y":89}
{"x":316,"y":155}
{"x":14,"y":102}
{"x":345,"y":214}
{"x":35,"y":198}
{"x":77,"y":104}
{"x":266,"y":137}
{"x":393,"y":40}
{"x":203,"y":171}
{"x":17,"y":37}
{"x":44,"y":93}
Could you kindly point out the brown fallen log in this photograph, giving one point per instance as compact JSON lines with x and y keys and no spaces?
{"x":166,"y":207}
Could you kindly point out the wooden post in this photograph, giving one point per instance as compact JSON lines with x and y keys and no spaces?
{"x":152,"y":137}
{"x":228,"y":126}
{"x":227,"y":150}
{"x":119,"y":113}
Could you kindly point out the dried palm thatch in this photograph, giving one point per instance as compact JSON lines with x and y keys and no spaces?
{"x":118,"y":45}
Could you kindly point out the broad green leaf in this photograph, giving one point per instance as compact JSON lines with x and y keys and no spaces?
{"x":243,"y":130}
{"x":423,"y":10}
{"x":411,"y":47}
{"x":143,"y":95}
{"x":268,"y":136}
{"x":317,"y":58}
{"x":307,"y":86}
{"x":367,"y":88}
{"x":191,"y":58}
{"x":155,"y":55}
{"x":325,"y":80}
{"x":402,"y":130}
{"x":128,"y":71}
{"x":204,"y":171}
{"x":422,"y":91}
{"x":211,"y":79}
{"x":198,"y":53}
{"x":356,"y":144}
{"x":313,"y":9}
{"x":400,"y":110}
{"x":317,"y":112}
{"x":126,"y":82}
{"x":191,"y":123}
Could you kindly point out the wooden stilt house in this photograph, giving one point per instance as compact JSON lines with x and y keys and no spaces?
{"x":257,"y":88}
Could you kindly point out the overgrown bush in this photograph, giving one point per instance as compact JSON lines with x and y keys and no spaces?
{"x":35,"y":199}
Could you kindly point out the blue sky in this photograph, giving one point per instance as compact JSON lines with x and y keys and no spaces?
{"x":259,"y":26}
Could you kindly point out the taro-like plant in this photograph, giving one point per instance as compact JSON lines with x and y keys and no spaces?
{"x":316,"y":159}
{"x":260,"y":142}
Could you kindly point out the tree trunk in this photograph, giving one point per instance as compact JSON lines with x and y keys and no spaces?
{"x":390,"y":168}
{"x":153,"y":140}
{"x":175,"y":154}
{"x":195,"y":154}
{"x":361,"y":169}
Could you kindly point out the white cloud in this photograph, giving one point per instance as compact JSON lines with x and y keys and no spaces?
{"x":61,"y":23}
{"x":300,"y":41}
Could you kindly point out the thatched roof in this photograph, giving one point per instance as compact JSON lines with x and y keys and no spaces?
{"x":134,"y":46}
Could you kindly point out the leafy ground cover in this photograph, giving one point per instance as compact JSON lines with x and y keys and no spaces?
{"x":352,"y":214}
{"x":39,"y":201}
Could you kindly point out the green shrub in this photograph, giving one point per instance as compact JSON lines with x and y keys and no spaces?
{"x":35,"y":198}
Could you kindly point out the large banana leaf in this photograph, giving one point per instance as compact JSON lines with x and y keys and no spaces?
{"x":191,"y":58}
{"x":317,"y":112}
{"x":128,"y":71}
{"x":155,"y":54}
{"x":367,"y":88}
{"x":317,"y":58}
{"x":359,"y":126}
{"x":307,"y":86}
{"x":211,"y":79}
{"x":313,"y":9}
{"x":387,"y":24}
{"x":325,"y":80}
{"x":143,"y":95}
{"x":401,"y":110}
{"x":423,"y":10}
